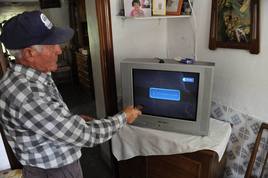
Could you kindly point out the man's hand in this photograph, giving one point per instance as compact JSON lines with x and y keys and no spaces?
{"x":87,"y":118}
{"x":131,"y":113}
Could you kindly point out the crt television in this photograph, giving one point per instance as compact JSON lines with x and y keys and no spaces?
{"x":175,"y":97}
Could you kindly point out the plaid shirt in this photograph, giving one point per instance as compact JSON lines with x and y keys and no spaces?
{"x":39,"y":127}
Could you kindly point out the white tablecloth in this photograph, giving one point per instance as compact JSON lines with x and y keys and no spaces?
{"x":134,"y":141}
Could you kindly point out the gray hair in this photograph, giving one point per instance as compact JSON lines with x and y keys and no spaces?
{"x":17,"y":53}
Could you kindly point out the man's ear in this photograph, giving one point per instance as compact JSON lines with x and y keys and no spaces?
{"x":29,"y":54}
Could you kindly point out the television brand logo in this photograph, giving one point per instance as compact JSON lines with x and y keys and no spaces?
{"x":188,"y":79}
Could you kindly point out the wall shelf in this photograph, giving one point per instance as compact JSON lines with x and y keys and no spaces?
{"x":155,"y":17}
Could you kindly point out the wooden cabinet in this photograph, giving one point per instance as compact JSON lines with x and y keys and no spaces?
{"x":200,"y":164}
{"x":78,"y":22}
{"x":84,"y":71}
{"x":82,"y":25}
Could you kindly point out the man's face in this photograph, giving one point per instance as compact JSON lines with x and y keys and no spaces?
{"x":46,"y":59}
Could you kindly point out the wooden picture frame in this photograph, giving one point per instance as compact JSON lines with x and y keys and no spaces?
{"x":235,"y":25}
{"x":137,"y":8}
{"x":159,"y":7}
{"x":174,"y":7}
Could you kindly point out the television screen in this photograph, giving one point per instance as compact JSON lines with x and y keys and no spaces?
{"x":166,"y":93}
{"x":175,"y":97}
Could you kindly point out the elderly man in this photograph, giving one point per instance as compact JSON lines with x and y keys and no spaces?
{"x":45,"y":137}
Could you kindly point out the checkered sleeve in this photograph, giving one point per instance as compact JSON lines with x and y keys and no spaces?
{"x":52,"y":119}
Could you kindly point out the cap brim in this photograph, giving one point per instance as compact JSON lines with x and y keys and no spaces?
{"x":58,"y":36}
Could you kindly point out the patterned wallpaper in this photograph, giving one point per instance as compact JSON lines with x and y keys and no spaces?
{"x":244,"y":132}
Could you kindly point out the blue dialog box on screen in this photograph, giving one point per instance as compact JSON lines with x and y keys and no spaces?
{"x":165,"y":94}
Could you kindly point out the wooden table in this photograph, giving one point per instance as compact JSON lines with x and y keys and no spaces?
{"x":200,"y":164}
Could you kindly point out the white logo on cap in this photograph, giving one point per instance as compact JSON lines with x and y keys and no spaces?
{"x":46,"y":21}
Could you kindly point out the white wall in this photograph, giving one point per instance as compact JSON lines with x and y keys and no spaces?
{"x":8,"y":10}
{"x":241,"y":78}
{"x":136,"y":38}
{"x":59,"y":16}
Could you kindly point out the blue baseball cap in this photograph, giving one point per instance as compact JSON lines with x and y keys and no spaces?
{"x":32,"y":28}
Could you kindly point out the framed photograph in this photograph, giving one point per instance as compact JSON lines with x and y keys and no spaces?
{"x":174,"y":7}
{"x":159,"y":7}
{"x":137,"y":8}
{"x":45,"y":4}
{"x":235,"y":24}
{"x":186,"y":9}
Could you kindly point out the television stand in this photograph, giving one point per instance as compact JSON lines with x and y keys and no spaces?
{"x":200,"y":164}
{"x":149,"y":153}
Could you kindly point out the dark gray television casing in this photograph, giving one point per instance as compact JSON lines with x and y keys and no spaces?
{"x":206,"y":74}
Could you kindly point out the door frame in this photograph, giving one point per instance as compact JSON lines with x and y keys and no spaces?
{"x":107,"y":55}
{"x":102,"y":56}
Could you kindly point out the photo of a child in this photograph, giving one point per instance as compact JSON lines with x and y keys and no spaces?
{"x":137,"y":8}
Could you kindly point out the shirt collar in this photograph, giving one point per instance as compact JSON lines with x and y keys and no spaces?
{"x":32,"y":74}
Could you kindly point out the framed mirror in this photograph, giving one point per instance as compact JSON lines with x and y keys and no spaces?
{"x":235,"y":24}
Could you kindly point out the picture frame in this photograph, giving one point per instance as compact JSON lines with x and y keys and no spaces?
{"x":235,"y":25}
{"x":174,"y":7}
{"x":159,"y":7}
{"x":186,"y":8}
{"x":137,"y":8}
{"x":45,"y":4}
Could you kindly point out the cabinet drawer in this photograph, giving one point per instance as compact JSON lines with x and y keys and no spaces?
{"x":200,"y":164}
{"x":133,"y":168}
{"x":176,"y":166}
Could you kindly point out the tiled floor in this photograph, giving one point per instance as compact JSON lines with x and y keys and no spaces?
{"x":80,"y":102}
